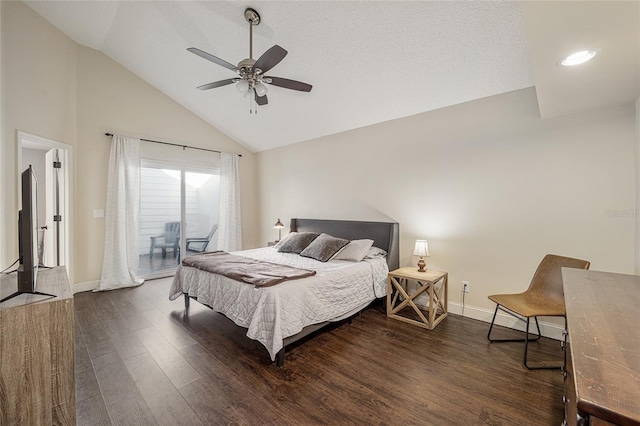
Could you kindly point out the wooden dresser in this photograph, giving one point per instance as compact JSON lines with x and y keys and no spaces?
{"x":602,"y":384}
{"x":37,"y":382}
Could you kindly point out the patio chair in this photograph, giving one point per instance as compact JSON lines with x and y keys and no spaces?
{"x":199,"y":245}
{"x":170,"y":239}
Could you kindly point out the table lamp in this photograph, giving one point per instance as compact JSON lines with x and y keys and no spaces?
{"x":421,"y":249}
{"x":279,"y":225}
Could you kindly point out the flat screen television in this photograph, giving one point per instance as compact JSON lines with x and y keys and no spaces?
{"x":28,"y":237}
{"x":28,"y":233}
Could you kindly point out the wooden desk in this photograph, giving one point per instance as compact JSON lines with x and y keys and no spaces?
{"x":398,"y":296}
{"x":603,"y":322}
{"x":37,"y":377}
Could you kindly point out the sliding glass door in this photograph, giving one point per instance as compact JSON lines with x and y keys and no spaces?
{"x":178,"y":210}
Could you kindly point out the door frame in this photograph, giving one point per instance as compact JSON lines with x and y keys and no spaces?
{"x":184,"y":168}
{"x":28,"y":140}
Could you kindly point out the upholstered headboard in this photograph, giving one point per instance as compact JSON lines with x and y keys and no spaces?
{"x":385,"y":235}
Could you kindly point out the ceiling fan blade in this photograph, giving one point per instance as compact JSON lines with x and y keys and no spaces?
{"x":261,"y":100}
{"x":289,"y":84}
{"x":210,"y":57}
{"x":217,"y":84}
{"x":270,"y":58}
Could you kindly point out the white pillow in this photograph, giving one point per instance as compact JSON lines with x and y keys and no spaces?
{"x":375,"y":252}
{"x":356,"y":250}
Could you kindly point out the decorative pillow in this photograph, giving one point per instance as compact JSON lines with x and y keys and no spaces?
{"x":323,"y":247}
{"x":375,"y":252}
{"x":356,"y":250}
{"x":279,"y":243}
{"x":295,"y":243}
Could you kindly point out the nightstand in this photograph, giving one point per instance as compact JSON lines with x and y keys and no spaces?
{"x":271,"y":243}
{"x":435,"y":283}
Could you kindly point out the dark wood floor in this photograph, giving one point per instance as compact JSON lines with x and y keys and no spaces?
{"x":157,"y":264}
{"x":140,"y":360}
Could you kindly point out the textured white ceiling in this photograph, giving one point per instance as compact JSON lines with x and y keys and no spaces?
{"x":556,"y":29}
{"x":368,"y":61}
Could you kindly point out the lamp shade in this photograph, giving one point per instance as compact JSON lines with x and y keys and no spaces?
{"x":421,"y":248}
{"x":279,"y":226}
{"x":242,"y":86}
{"x":261,"y":89}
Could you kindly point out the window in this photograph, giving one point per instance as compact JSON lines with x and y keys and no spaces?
{"x":178,"y":203}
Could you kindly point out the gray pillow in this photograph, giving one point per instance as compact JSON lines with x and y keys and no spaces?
{"x":324,"y":247}
{"x":297,"y":242}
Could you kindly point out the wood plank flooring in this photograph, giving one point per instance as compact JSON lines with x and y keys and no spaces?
{"x":141,"y":360}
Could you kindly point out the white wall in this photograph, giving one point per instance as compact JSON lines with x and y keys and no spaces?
{"x":55,"y":88}
{"x":490,"y":185}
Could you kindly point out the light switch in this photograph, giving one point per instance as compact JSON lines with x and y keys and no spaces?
{"x":98,"y":213}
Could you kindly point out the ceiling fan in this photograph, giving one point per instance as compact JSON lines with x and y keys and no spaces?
{"x":251,"y":78}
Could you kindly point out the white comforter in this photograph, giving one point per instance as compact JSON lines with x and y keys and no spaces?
{"x":273,"y":313}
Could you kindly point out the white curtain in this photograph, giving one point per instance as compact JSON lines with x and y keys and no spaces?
{"x":230,"y":229}
{"x":120,"y":264}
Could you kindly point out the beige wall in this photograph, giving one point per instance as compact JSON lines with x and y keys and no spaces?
{"x":3,"y":223}
{"x":637,"y":210}
{"x":490,"y":185}
{"x":38,"y":96}
{"x":57,"y":89}
{"x":112,"y":99}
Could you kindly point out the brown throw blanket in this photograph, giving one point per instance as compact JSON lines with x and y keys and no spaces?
{"x":245,"y":269}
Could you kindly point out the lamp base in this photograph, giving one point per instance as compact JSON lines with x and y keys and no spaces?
{"x":421,"y":265}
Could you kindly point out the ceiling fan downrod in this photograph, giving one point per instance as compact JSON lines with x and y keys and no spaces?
{"x":253,"y":18}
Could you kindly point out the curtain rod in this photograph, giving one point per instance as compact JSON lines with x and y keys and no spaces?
{"x":175,"y":144}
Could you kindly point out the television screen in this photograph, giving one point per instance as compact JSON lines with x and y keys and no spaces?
{"x":28,"y":233}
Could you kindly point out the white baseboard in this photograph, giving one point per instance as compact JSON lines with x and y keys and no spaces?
{"x":553,"y":331}
{"x":86,"y":286}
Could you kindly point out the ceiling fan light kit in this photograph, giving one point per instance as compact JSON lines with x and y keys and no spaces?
{"x":251,"y":79}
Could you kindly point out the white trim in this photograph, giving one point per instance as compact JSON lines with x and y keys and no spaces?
{"x":29,"y":140}
{"x":178,"y":165}
{"x":85,"y":286}
{"x":553,"y":331}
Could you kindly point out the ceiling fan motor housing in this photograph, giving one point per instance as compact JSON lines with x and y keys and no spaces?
{"x":246,"y":64}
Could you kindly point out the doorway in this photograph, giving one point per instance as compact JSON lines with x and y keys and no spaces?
{"x":51,"y":161}
{"x":179,"y":207}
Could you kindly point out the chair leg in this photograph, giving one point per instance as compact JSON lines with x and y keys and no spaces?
{"x":492,"y":321}
{"x":526,"y":340}
{"x":511,"y":340}
{"x":526,"y":346}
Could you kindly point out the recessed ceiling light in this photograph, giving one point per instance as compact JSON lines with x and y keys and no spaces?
{"x":578,"y":58}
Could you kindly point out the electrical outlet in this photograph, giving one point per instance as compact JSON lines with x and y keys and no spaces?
{"x":465,"y":286}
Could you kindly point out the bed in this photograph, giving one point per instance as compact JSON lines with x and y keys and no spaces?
{"x":281,"y":314}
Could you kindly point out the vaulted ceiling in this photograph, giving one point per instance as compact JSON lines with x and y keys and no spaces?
{"x":368,"y":61}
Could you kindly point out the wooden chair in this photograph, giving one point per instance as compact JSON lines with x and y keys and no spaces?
{"x":169,"y":239}
{"x":544,"y":297}
{"x":198,"y":245}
